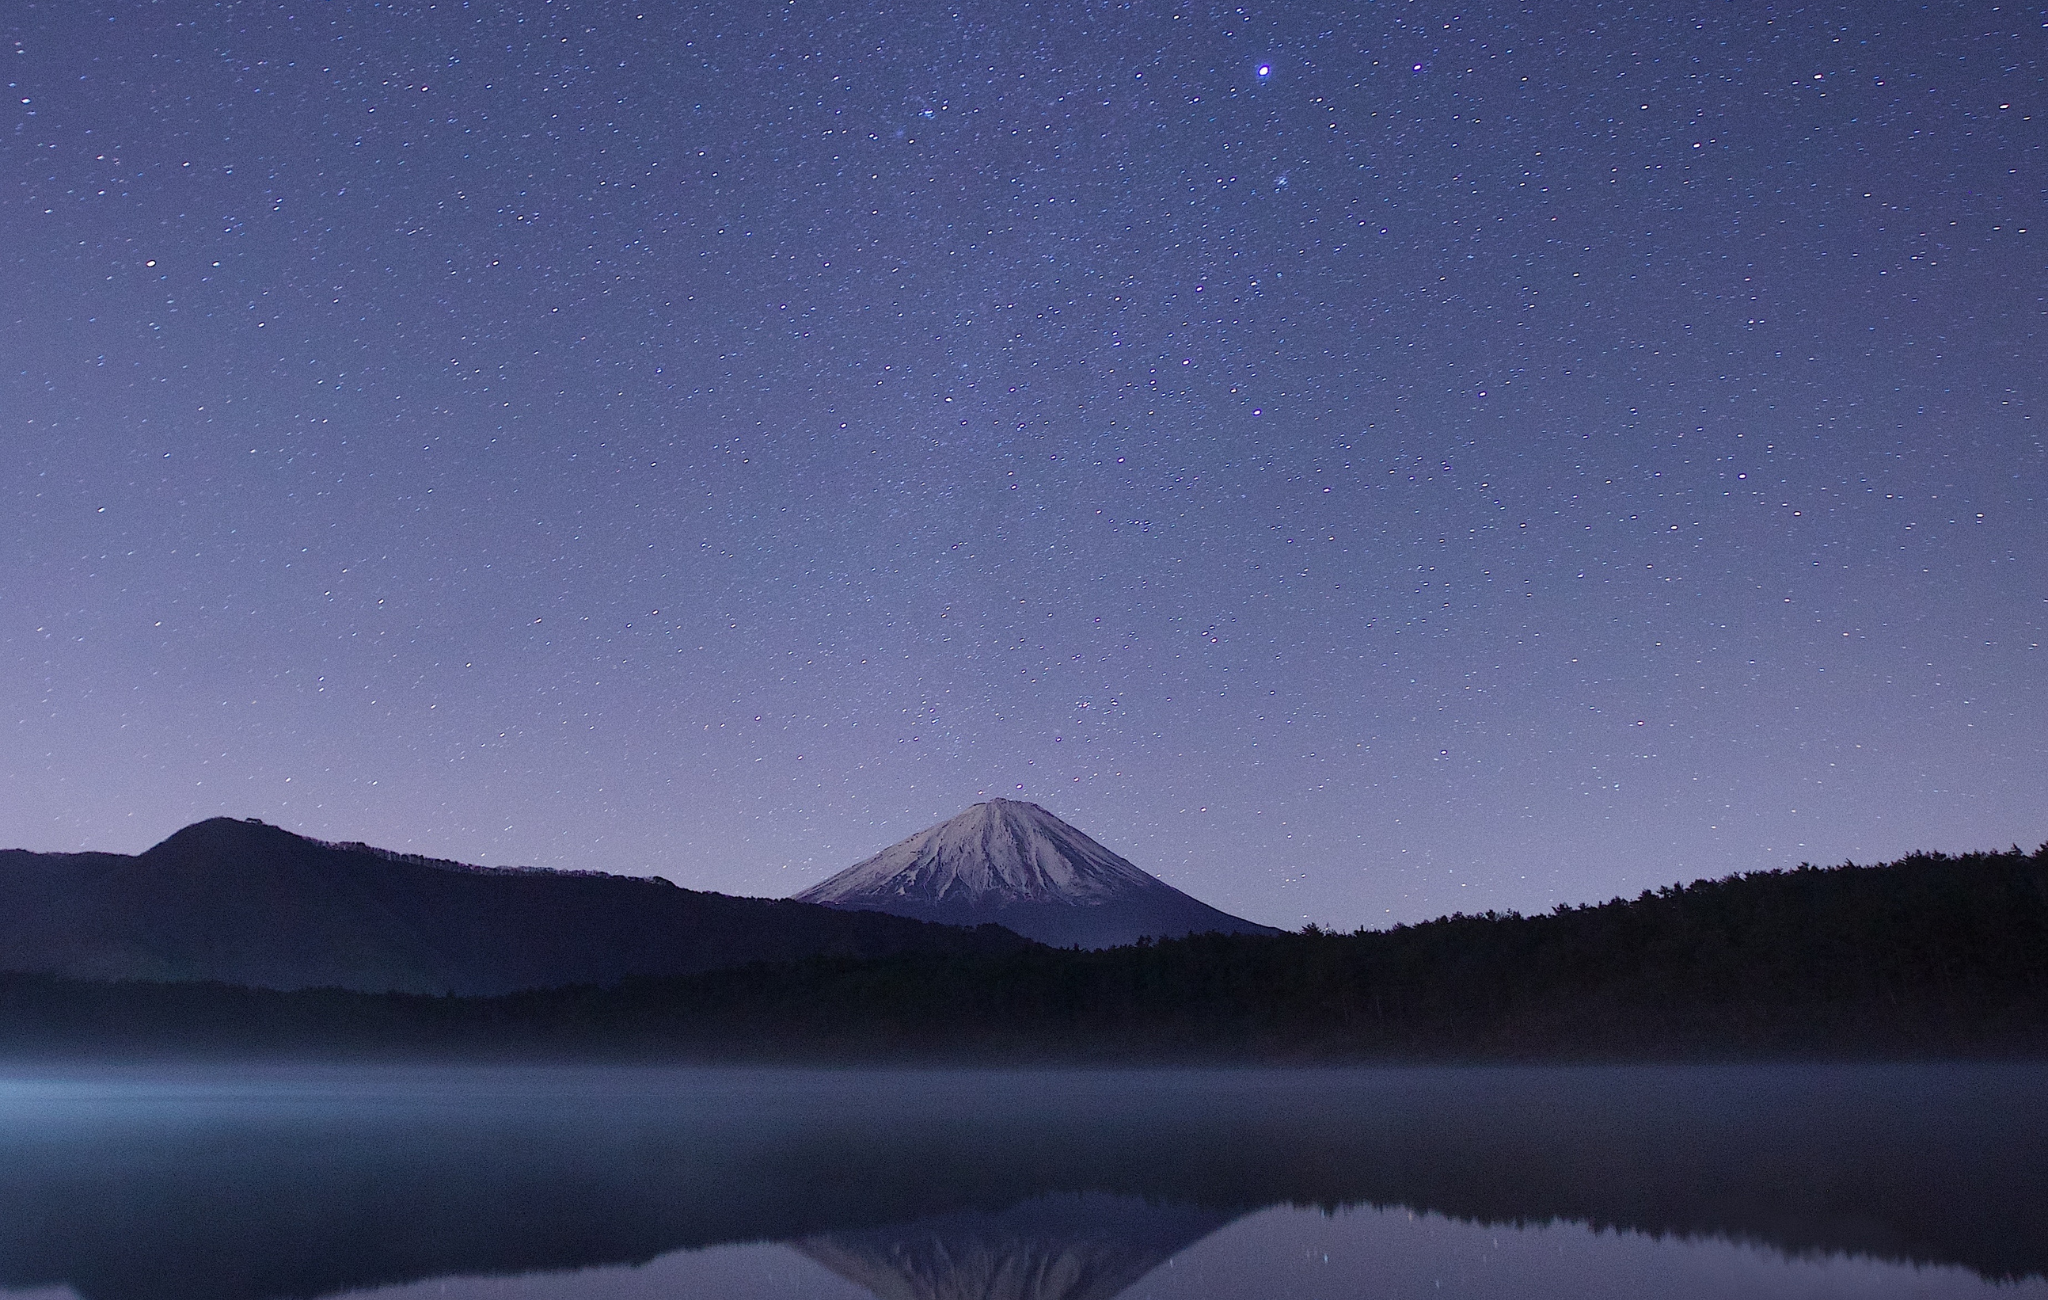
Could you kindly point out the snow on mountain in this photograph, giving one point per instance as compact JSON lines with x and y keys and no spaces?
{"x":1000,"y":851}
{"x":1017,"y":865}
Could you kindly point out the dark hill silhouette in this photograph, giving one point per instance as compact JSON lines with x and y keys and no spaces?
{"x":1928,"y":955}
{"x":241,"y":902}
{"x":1932,"y":955}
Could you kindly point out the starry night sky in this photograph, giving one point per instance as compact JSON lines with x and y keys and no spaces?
{"x":1358,"y":461}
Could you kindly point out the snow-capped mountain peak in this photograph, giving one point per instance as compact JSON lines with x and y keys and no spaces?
{"x":1000,"y":851}
{"x":1016,"y":864}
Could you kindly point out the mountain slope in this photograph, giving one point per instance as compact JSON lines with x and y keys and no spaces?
{"x":1019,"y":866}
{"x":245,"y":903}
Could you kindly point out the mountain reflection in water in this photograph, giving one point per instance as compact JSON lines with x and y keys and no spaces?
{"x":1066,"y":1247}
{"x":1008,"y":1186}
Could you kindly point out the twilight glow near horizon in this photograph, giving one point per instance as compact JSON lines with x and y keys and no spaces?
{"x":1359,"y":462}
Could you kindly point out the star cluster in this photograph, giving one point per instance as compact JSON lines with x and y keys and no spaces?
{"x":1358,"y":461}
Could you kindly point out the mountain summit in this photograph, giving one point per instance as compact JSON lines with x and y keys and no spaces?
{"x":1016,"y":864}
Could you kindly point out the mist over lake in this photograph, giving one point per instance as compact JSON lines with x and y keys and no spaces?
{"x":312,"y":1181}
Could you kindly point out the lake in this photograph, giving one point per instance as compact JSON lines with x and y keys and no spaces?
{"x":1918,"y":1180}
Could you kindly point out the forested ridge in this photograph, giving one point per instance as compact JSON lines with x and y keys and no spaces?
{"x":1930,"y":955}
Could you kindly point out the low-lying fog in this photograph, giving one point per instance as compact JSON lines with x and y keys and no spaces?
{"x":1020,"y":1185}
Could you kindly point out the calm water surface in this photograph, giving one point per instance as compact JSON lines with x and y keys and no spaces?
{"x":936,"y":1185}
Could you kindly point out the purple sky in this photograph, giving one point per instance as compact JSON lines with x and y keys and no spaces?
{"x":1492,"y":456}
